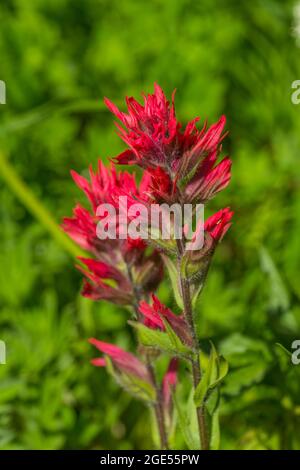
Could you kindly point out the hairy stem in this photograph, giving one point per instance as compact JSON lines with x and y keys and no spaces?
{"x":158,"y":405}
{"x":158,"y":408}
{"x":196,"y":367}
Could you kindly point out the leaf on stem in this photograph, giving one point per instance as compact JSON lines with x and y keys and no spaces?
{"x":173,"y":274}
{"x":166,"y":341}
{"x":132,"y":384}
{"x":185,"y":425}
{"x":214,"y":374}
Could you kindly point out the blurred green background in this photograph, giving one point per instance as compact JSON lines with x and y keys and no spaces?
{"x":58,"y":59}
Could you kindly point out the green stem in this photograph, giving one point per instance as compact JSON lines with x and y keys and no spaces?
{"x":195,"y":360}
{"x":158,"y":409}
{"x":35,"y":207}
{"x":158,"y":405}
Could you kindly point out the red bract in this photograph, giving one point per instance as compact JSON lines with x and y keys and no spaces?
{"x":122,"y":360}
{"x":119,"y":263}
{"x":102,"y":188}
{"x":104,"y":183}
{"x":218,"y":224}
{"x":157,"y":313}
{"x":169,"y":382}
{"x":149,"y":129}
{"x":82,"y":229}
{"x":186,"y":158}
{"x":119,"y":289}
{"x":209,"y":179}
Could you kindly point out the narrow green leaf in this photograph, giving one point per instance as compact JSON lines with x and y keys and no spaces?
{"x":173,"y":274}
{"x":184,"y":424}
{"x":212,"y":401}
{"x":203,"y":385}
{"x":279,"y":298}
{"x":215,"y":372}
{"x":201,"y":391}
{"x":215,"y":431}
{"x":154,"y":428}
{"x":174,"y":339}
{"x":223,"y":371}
{"x":131,"y":383}
{"x":137,"y":387}
{"x":158,"y":339}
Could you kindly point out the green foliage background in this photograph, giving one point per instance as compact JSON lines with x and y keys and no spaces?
{"x":58,"y":59}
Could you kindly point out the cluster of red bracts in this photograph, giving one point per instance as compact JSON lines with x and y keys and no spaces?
{"x":179,"y":165}
{"x":119,"y":266}
{"x":129,"y":365}
{"x":182,"y":163}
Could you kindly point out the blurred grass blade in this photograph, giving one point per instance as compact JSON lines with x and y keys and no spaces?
{"x":279,"y":298}
{"x":35,"y":207}
{"x":48,"y":110}
{"x":286,"y":351}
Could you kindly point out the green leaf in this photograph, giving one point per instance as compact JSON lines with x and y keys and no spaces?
{"x":203,"y":385}
{"x":138,"y":387}
{"x":244,"y":377}
{"x":215,"y":431}
{"x":189,"y":437}
{"x":174,"y":339}
{"x":249,"y":361}
{"x":159,"y":339}
{"x":223,"y":371}
{"x":131,"y":383}
{"x":154,"y":428}
{"x":215,"y":372}
{"x":279,"y":298}
{"x":212,"y":401}
{"x":173,"y":274}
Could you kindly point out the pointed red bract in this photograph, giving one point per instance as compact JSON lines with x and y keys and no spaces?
{"x":107,"y":275}
{"x":218,"y":224}
{"x":123,"y":360}
{"x":209,"y":180}
{"x":155,"y":314}
{"x":169,"y":382}
{"x":156,"y":140}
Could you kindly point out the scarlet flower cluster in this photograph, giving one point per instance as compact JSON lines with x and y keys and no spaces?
{"x":180,"y":165}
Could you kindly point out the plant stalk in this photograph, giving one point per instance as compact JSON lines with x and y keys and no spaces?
{"x":195,"y":360}
{"x":158,"y":409}
{"x":158,"y":405}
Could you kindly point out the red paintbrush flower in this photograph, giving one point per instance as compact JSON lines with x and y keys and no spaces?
{"x":209,"y":179}
{"x":118,"y":262}
{"x":186,"y":158}
{"x":122,"y":360}
{"x":218,"y":224}
{"x":106,"y":282}
{"x":157,"y":313}
{"x":169,"y":383}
